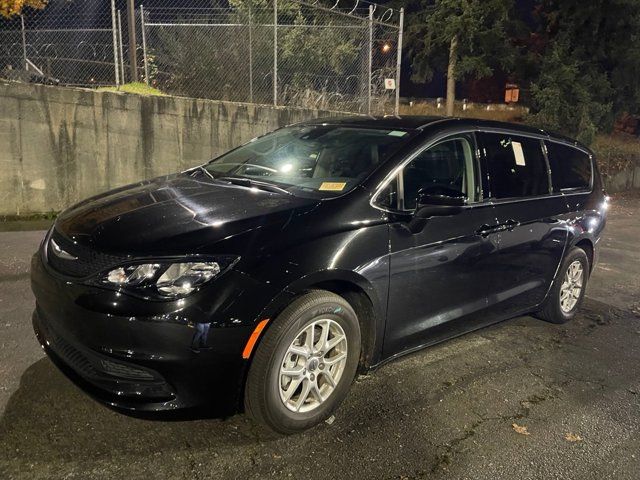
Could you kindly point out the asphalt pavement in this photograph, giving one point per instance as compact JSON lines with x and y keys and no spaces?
{"x":522,"y":399}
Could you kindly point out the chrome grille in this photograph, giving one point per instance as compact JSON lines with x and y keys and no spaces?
{"x":87,"y":261}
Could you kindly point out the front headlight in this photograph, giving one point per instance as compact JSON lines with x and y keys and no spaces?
{"x":166,"y":280}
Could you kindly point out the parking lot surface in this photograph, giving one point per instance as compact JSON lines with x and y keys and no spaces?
{"x":522,"y":399}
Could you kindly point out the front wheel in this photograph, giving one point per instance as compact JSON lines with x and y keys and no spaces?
{"x":567,"y":292}
{"x":305,"y":363}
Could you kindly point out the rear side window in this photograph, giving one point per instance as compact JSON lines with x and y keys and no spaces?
{"x":517,"y":167}
{"x":570,"y":167}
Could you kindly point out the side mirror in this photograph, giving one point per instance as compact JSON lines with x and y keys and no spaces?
{"x":436,"y":205}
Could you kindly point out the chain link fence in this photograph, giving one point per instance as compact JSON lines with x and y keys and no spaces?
{"x":52,"y":48}
{"x":338,"y":55}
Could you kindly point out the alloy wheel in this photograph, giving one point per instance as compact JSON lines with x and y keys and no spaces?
{"x":313,"y":365}
{"x":571,"y":287}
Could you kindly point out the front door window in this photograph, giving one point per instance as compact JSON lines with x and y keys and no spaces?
{"x":446,"y":168}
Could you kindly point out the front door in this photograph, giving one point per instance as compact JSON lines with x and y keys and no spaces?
{"x":440,"y":271}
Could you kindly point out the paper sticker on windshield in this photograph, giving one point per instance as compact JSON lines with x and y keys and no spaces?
{"x":333,"y":186}
{"x":519,"y":154}
{"x":397,"y":133}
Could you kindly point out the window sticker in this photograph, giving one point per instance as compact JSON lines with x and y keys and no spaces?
{"x":519,"y":154}
{"x":397,"y":133}
{"x":333,"y":186}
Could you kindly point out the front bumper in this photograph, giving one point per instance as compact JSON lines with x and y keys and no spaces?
{"x":142,"y":355}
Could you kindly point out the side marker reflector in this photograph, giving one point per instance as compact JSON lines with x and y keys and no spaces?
{"x":248,"y":348}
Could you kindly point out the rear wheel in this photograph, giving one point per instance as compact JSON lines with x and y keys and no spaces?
{"x":305,"y":363}
{"x":567,"y":293}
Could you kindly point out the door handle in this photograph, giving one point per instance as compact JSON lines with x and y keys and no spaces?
{"x":511,"y":224}
{"x":485,"y":230}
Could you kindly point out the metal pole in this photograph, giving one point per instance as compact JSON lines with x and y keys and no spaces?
{"x":370,"y":58}
{"x":144,"y":46}
{"x":399,"y":61}
{"x":24,"y":44}
{"x":133,"y":43}
{"x":275,"y":52}
{"x":120,"y":46}
{"x":115,"y":41}
{"x":250,"y":57}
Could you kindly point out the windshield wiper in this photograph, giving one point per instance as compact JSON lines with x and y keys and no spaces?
{"x":205,"y":171}
{"x":249,"y":183}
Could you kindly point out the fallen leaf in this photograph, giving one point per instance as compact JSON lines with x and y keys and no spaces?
{"x":521,"y":429}
{"x":571,"y":437}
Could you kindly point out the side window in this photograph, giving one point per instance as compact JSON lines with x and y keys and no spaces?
{"x":445,"y":168}
{"x":517,"y":167}
{"x":570,"y":167}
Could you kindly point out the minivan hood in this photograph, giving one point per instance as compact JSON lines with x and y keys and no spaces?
{"x":177,"y":214}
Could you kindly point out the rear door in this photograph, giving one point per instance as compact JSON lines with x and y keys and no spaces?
{"x":532,"y":234}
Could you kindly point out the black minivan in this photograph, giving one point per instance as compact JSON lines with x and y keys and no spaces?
{"x":266,"y":279}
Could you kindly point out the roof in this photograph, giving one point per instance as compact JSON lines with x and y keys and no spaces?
{"x":415,"y":122}
{"x":407,"y":122}
{"x":421,"y":121}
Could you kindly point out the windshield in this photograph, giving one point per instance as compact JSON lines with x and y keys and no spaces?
{"x":325,"y":159}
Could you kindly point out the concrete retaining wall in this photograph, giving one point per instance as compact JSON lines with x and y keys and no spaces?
{"x":60,"y":145}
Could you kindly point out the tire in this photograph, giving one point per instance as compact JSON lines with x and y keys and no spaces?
{"x":552,"y":310}
{"x":267,"y":387}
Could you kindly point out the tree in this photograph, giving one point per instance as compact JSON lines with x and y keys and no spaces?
{"x":316,"y":59}
{"x":314,"y":64}
{"x":463,"y":37}
{"x":10,"y":8}
{"x":567,"y":97}
{"x":589,"y":65}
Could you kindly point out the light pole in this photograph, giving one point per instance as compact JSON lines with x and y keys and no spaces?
{"x":114,"y":30}
{"x":399,"y":61}
{"x":131,"y":23}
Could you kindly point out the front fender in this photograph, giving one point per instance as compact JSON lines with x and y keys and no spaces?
{"x":354,"y":261}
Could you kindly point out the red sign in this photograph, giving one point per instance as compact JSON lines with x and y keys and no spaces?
{"x":511,"y":93}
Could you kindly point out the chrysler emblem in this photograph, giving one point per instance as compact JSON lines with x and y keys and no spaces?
{"x":59,"y":252}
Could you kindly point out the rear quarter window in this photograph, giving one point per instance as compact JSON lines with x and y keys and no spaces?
{"x":571,"y":169}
